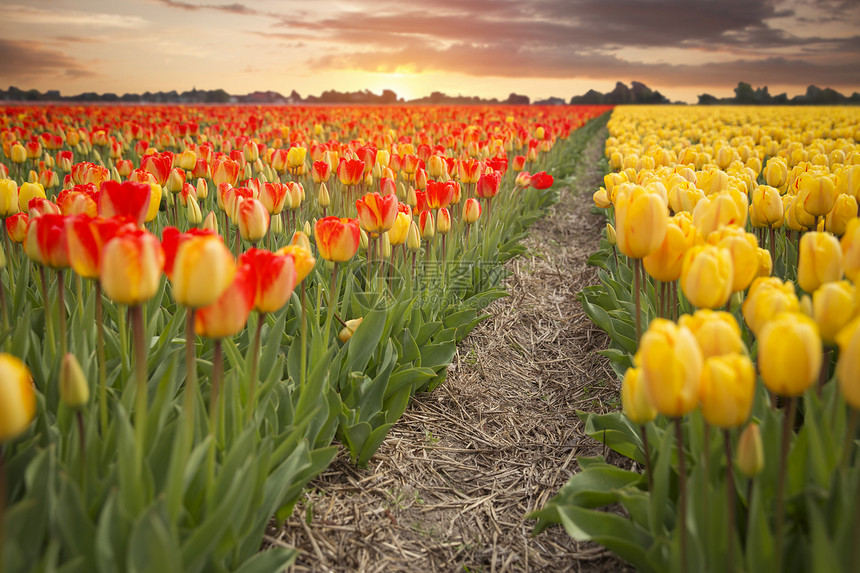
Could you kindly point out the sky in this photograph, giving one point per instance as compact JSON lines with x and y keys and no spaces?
{"x":486,"y":48}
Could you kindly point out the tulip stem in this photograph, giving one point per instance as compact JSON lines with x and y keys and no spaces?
{"x":787,"y":425}
{"x":648,"y":477}
{"x":636,"y":301}
{"x":49,"y":322}
{"x":255,"y":351}
{"x":100,"y":354}
{"x":190,"y":364}
{"x":855,"y":553}
{"x":304,"y":336}
{"x":61,"y":310}
{"x":730,"y":492}
{"x":2,"y":503}
{"x":141,"y":397}
{"x":772,"y":244}
{"x":83,"y":445}
{"x":217,"y":373}
{"x":682,"y":494}
{"x":3,"y":308}
{"x":848,"y":444}
{"x":825,"y":370}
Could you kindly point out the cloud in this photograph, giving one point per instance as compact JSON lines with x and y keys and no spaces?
{"x":234,"y":8}
{"x":29,"y":60}
{"x":21,"y":14}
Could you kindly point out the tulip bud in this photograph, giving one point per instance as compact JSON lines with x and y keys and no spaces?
{"x":17,"y":398}
{"x":210,"y":223}
{"x":74,"y":390}
{"x":707,"y":274}
{"x":443,"y":221}
{"x":750,"y":451}
{"x":253,"y":219}
{"x":413,"y":238}
{"x":425,"y":223}
{"x":202,"y":189}
{"x":347,"y":331}
{"x":323,"y":197}
{"x":18,"y":153}
{"x":307,"y":229}
{"x":412,"y":198}
{"x":385,"y":245}
{"x":363,"y":240}
{"x":843,"y":211}
{"x":192,"y":211}
{"x":635,"y":401}
{"x":611,"y":236}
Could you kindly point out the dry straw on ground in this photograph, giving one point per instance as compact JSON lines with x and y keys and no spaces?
{"x":450,"y":487}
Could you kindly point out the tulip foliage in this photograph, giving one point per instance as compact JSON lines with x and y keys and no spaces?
{"x":739,"y":399}
{"x":199,"y":304}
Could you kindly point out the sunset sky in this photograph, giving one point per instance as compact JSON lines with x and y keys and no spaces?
{"x":488,"y":48}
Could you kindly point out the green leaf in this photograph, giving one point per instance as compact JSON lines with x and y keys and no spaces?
{"x":152,"y":545}
{"x":364,"y":341}
{"x":269,"y":561}
{"x":618,"y":433}
{"x":614,"y":532}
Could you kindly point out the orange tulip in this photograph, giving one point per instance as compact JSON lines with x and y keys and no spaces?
{"x":86,"y":238}
{"x":229,"y":314}
{"x":376,"y":213}
{"x":274,"y":278}
{"x":337,"y":239}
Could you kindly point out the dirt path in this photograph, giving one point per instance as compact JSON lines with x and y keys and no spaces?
{"x":449,"y":488}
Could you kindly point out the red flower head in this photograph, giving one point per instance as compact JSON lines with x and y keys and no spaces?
{"x":439,"y":194}
{"x":274,"y":278}
{"x":488,"y":185}
{"x":159,"y":166}
{"x":387,"y":186}
{"x":125,"y":199}
{"x":228,"y":315}
{"x":469,"y":170}
{"x":16,"y":226}
{"x":46,"y":239}
{"x":124,"y":167}
{"x":273,"y":196}
{"x":541,"y":180}
{"x":376,"y":212}
{"x":321,"y":171}
{"x":86,"y":236}
{"x":225,"y":170}
{"x":350,"y":171}
{"x":337,"y":239}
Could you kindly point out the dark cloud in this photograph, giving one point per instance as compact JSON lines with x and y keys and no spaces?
{"x":234,"y":8}
{"x":28,"y":60}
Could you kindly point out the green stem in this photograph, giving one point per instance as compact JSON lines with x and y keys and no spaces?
{"x":649,"y":478}
{"x":141,"y":398}
{"x":730,"y":492}
{"x":636,"y":302}
{"x":304,"y":338}
{"x":83,"y":445}
{"x":682,"y":494}
{"x":61,"y":310}
{"x":214,"y":395}
{"x":49,"y":322}
{"x":100,"y":353}
{"x":848,"y":444}
{"x":255,"y":356}
{"x":190,"y":366}
{"x":2,"y":504}
{"x":123,"y":344}
{"x":787,"y":426}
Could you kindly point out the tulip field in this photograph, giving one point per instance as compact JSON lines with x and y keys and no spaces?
{"x":200,"y":305}
{"x":727,"y":276}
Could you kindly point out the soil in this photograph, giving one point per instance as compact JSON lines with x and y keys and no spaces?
{"x":451,"y":486}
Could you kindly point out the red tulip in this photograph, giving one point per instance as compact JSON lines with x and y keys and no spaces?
{"x":131,"y":266}
{"x":86,"y":237}
{"x":488,"y":185}
{"x":337,"y":239}
{"x":159,"y":166}
{"x":541,"y":180}
{"x":16,"y":226}
{"x":46,"y":238}
{"x":274,"y":278}
{"x":228,"y":315}
{"x":376,"y":212}
{"x":125,"y":199}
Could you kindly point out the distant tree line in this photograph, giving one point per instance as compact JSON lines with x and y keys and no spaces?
{"x":746,"y":95}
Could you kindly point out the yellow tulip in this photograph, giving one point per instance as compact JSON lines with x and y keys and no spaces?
{"x":820,"y":260}
{"x":776,"y":173}
{"x":27,"y":192}
{"x":766,"y":298}
{"x":707,"y":275}
{"x":671,"y":362}
{"x":8,"y":197}
{"x":716,"y":211}
{"x":850,"y":244}
{"x":843,"y":211}
{"x":817,"y":192}
{"x":766,"y":208}
{"x":848,"y":365}
{"x":640,"y":221}
{"x":665,"y":263}
{"x":743,"y":248}
{"x":789,"y":354}
{"x":635,"y":401}
{"x":601,"y":199}
{"x":727,"y":389}
{"x":717,"y":332}
{"x":833,"y":306}
{"x":17,"y":398}
{"x":765,"y":266}
{"x":202,"y":270}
